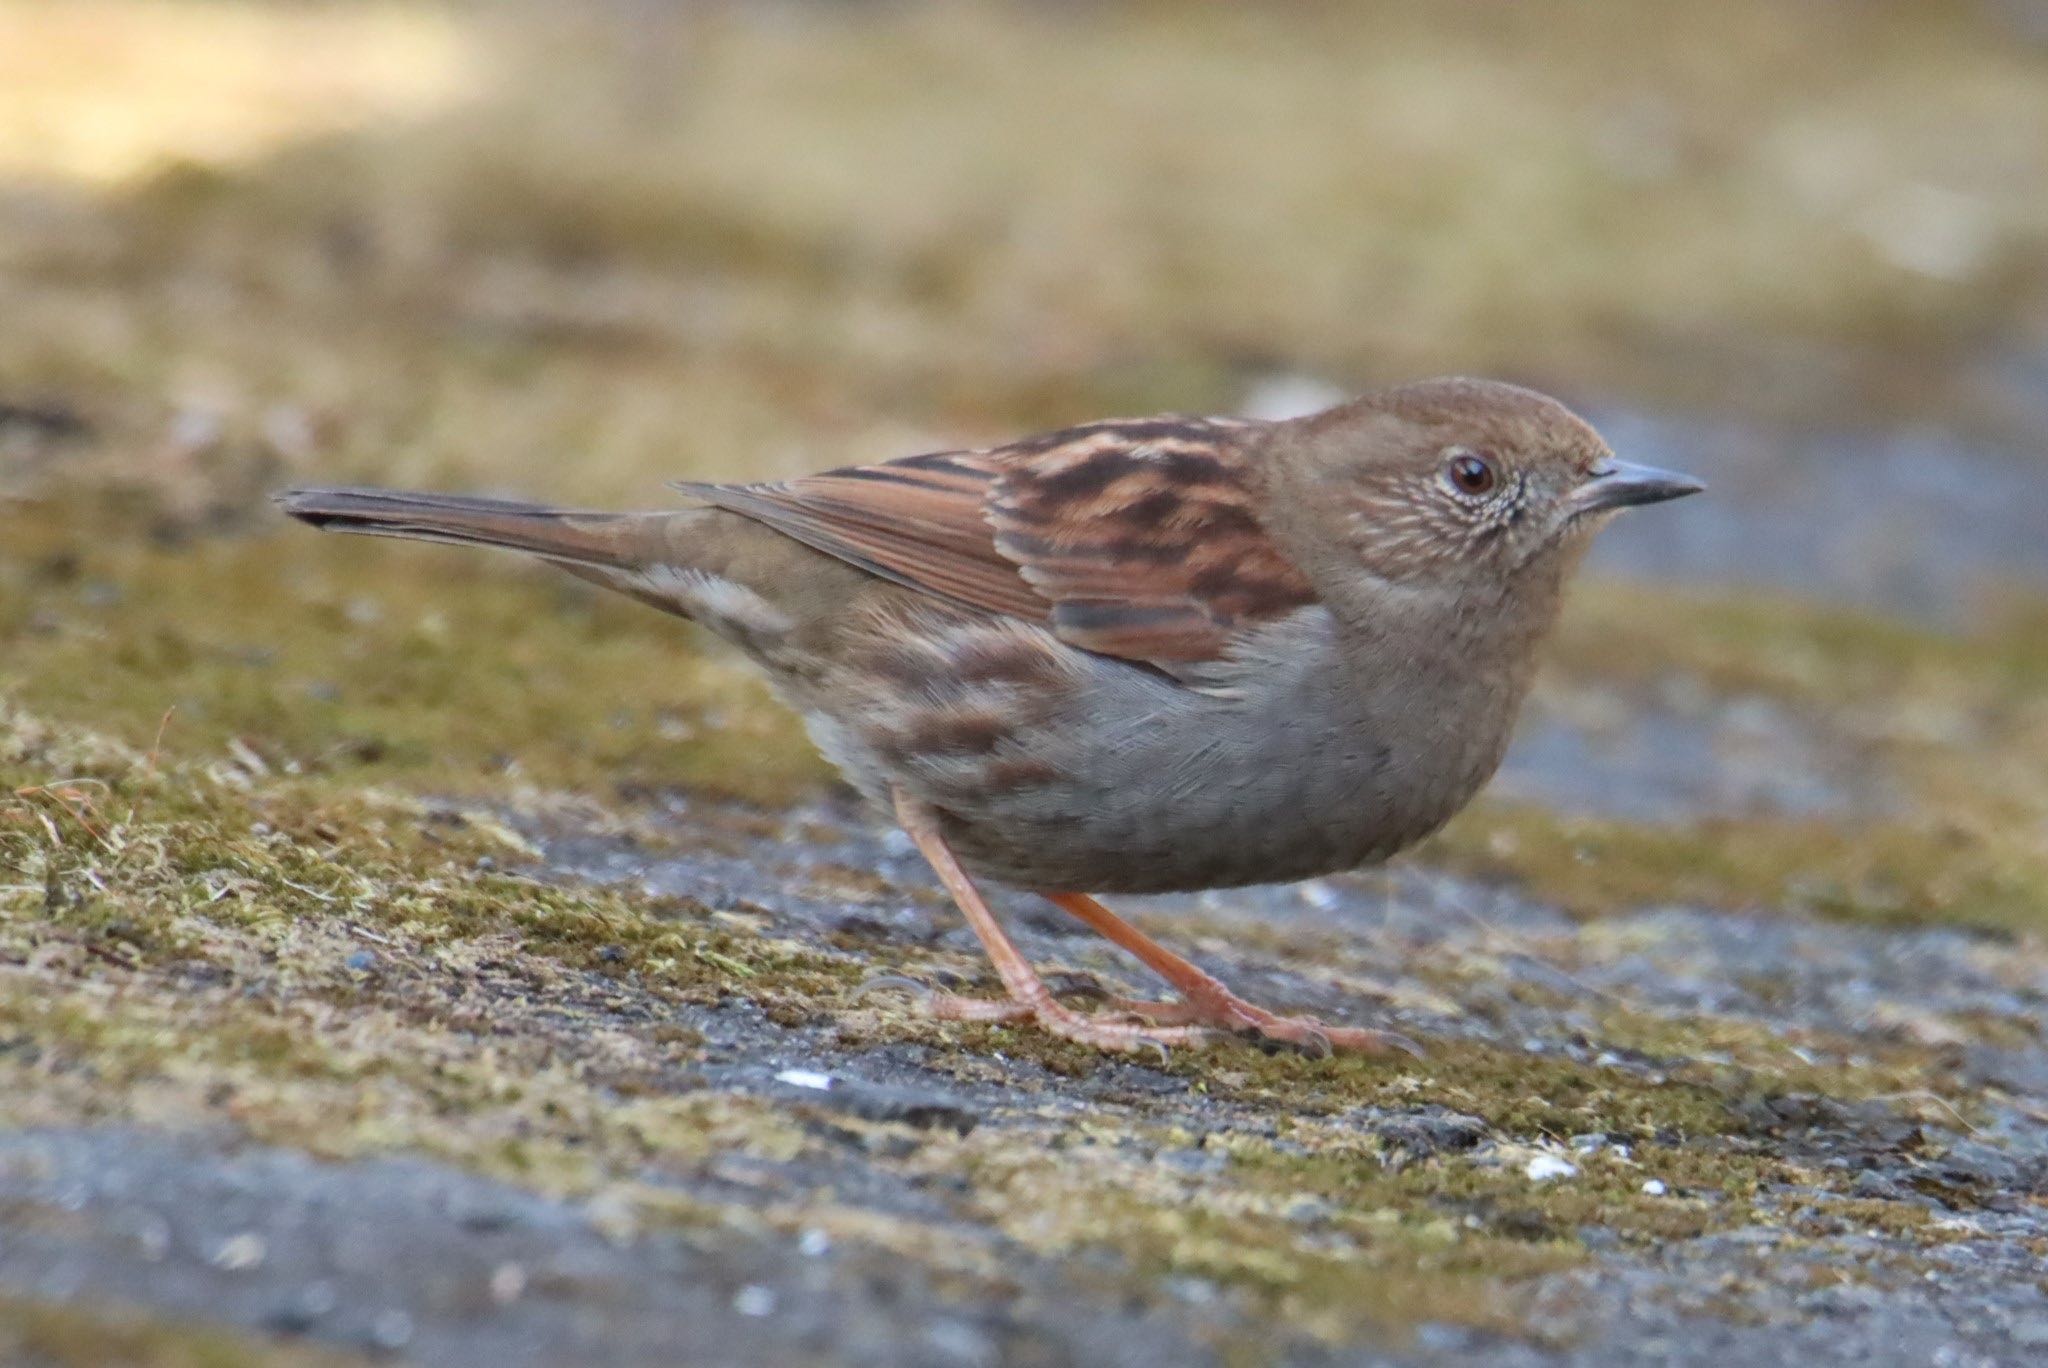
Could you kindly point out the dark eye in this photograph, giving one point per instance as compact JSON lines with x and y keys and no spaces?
{"x":1471,"y":473}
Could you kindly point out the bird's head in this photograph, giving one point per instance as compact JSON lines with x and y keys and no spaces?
{"x":1468,"y":485}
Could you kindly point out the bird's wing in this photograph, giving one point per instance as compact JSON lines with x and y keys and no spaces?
{"x":1132,"y":538}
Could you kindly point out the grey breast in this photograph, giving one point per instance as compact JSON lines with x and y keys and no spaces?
{"x":1278,"y":763}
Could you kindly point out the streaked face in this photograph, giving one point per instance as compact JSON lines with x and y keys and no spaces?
{"x":1488,"y":509}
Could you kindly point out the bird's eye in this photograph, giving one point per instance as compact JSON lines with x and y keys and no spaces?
{"x":1471,"y":473}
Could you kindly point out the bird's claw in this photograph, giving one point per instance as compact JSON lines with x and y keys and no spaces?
{"x":1310,"y":1044}
{"x":920,"y":993}
{"x":1317,"y":1040}
{"x":1394,"y":1040}
{"x":1154,"y":1043}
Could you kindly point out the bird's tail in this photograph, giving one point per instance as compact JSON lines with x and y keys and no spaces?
{"x":603,"y":541}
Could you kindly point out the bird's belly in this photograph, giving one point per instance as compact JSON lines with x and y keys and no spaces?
{"x":1205,"y":796}
{"x":1285,"y":766}
{"x":1196,"y":807}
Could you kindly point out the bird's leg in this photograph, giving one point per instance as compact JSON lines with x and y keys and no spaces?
{"x":1206,"y":1002}
{"x":1028,"y":997}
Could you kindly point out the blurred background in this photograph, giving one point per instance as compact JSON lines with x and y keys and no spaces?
{"x":259,"y":789}
{"x":575,"y":248}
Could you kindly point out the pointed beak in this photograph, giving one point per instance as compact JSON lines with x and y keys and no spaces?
{"x":1619,"y":484}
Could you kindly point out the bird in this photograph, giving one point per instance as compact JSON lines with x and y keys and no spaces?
{"x":1141,"y":655}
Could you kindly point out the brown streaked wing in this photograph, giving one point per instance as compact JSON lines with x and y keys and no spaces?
{"x":1134,"y":538}
{"x":918,"y":521}
{"x":1146,"y":538}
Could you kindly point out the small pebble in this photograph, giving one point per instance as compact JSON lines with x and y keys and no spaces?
{"x":805,"y":1078}
{"x":361,"y":961}
{"x":2031,"y":1331}
{"x":508,"y":1280}
{"x":814,"y":1243}
{"x":614,"y":1216}
{"x":961,"y":1343}
{"x":1545,"y":1167}
{"x":1654,"y":1188}
{"x":391,"y":1330}
{"x":153,"y":1237}
{"x":1444,"y":1339}
{"x":319,"y":1298}
{"x":239,"y":1252}
{"x":754,"y":1300}
{"x":301,"y":1313}
{"x":1320,"y":896}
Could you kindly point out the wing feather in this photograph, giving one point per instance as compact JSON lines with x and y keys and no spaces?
{"x":1136,"y":538}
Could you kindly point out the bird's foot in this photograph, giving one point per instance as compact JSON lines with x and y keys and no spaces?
{"x":1224,"y":1012}
{"x":1205,"y":1003}
{"x":1115,"y":1029}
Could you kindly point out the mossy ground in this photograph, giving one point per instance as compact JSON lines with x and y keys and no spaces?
{"x":268,"y":801}
{"x":333,"y":954}
{"x":38,"y":1335}
{"x":304,"y":913}
{"x":1954,"y":717}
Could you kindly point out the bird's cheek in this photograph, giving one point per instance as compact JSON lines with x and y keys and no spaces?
{"x":1586,"y":525}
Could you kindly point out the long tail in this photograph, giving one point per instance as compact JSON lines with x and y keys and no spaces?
{"x":605,"y":541}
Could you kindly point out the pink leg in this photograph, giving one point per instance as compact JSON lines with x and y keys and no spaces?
{"x":1028,"y":997}
{"x":1206,"y":1002}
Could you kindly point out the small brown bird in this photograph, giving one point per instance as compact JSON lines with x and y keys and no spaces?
{"x":1132,"y":656}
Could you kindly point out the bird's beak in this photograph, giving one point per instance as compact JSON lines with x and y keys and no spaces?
{"x":1619,"y":484}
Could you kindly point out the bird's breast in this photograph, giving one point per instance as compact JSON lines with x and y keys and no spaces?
{"x":1289,"y":759}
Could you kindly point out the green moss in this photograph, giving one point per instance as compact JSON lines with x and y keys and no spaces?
{"x":518,"y":1029}
{"x":1902,"y":872}
{"x":1746,"y":1059}
{"x":1948,"y":728}
{"x":334,"y":972}
{"x":1902,"y":1220}
{"x":1328,"y":1231}
{"x":1803,"y":651}
{"x":1393,"y":1271}
{"x":302,"y":655}
{"x":1323,"y":1233}
{"x":54,"y":1336}
{"x":1512,"y":1090}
